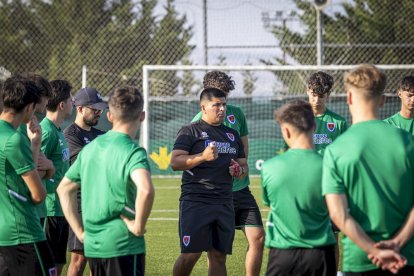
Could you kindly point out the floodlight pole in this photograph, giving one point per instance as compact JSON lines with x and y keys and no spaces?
{"x":205,"y":46}
{"x":319,"y":39}
{"x":84,"y":75}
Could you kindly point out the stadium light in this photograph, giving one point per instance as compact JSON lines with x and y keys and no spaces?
{"x":319,"y":6}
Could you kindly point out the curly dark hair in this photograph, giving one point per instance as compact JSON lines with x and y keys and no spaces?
{"x":219,"y":80}
{"x":320,"y":83}
{"x":407,"y":84}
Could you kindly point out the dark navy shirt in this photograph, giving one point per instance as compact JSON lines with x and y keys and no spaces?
{"x":210,"y":181}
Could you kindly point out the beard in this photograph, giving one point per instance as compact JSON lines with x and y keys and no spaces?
{"x":90,"y":122}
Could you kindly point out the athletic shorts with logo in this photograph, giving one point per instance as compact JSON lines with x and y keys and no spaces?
{"x":130,"y":265}
{"x":56,"y":229}
{"x":203,"y":226}
{"x":28,"y":259}
{"x":318,"y":261}
{"x":246,"y":210}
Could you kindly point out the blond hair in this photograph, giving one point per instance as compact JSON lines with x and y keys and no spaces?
{"x":367,"y":80}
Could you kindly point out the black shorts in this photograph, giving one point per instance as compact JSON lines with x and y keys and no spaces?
{"x":246,"y":210}
{"x":405,"y":271}
{"x":74,"y":244}
{"x":27,"y":259}
{"x":133,"y":265}
{"x":56,"y":229}
{"x":203,"y":226}
{"x":302,"y":261}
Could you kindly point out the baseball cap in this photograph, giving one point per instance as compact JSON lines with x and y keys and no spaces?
{"x":89,"y":96}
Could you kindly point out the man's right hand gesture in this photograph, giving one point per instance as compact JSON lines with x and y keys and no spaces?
{"x":210,"y":153}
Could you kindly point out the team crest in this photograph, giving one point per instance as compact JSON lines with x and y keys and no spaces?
{"x":230,"y":136}
{"x":186,"y":240}
{"x":231,"y":118}
{"x":204,"y":134}
{"x":331,"y":126}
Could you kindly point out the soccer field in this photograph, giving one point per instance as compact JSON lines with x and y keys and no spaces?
{"x":162,"y":233}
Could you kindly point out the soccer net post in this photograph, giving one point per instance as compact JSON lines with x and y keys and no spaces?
{"x":171,"y":101}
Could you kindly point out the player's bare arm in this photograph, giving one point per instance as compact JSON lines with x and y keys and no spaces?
{"x":338,"y":211}
{"x":403,"y":236}
{"x":181,"y":160}
{"x":245,"y":141}
{"x":33,"y":182}
{"x":45,"y":167}
{"x":34,"y":132}
{"x":67,"y":192}
{"x":143,"y":202}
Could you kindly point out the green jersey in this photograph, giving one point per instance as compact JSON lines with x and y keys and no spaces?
{"x":19,"y":222}
{"x":56,"y":149}
{"x":328,"y":127}
{"x":236,"y":120}
{"x":372,"y":164}
{"x":103,"y":170}
{"x":298,"y":214}
{"x":399,"y":121}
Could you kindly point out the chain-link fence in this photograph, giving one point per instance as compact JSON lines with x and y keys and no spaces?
{"x":115,"y":38}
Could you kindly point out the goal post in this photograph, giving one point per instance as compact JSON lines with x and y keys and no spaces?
{"x":171,"y":100}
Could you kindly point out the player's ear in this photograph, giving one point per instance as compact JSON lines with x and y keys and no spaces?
{"x":382,"y":100}
{"x":110,"y":116}
{"x":399,"y":93}
{"x":203,"y":108}
{"x":349,"y":97}
{"x":142,"y":116}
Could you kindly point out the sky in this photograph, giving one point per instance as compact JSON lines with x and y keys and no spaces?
{"x":239,"y":26}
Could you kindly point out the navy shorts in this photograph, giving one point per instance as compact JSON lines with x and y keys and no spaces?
{"x":204,"y":226}
{"x":246,"y":210}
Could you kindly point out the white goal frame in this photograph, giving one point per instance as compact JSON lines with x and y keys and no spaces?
{"x":144,"y":137}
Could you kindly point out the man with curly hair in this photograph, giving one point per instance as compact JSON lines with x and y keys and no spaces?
{"x":404,"y":119}
{"x":247,"y":213}
{"x":329,"y":125}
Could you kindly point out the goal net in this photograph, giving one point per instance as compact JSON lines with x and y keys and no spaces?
{"x":171,"y":101}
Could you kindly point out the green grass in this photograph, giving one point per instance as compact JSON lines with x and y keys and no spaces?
{"x":162,"y":233}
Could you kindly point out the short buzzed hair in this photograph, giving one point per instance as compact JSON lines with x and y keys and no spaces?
{"x":320,"y":83}
{"x":126,"y":103}
{"x":219,"y":80}
{"x":407,"y":84}
{"x":18,"y":92}
{"x":367,"y":80}
{"x":209,"y":93}
{"x":298,"y":114}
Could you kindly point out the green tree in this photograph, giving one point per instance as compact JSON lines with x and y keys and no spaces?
{"x":249,"y":80}
{"x":368,"y":31}
{"x":114,"y":38}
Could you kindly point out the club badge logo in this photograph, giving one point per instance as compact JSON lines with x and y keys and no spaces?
{"x":231,"y":118}
{"x":331,"y":126}
{"x":204,"y":134}
{"x":186,"y":240}
{"x":230,"y":136}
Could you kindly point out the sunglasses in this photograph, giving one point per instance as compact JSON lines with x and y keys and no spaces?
{"x":96,"y":111}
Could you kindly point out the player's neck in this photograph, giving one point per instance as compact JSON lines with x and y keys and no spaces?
{"x":319,"y":111}
{"x":80,"y":123}
{"x":302,"y":141}
{"x":363,"y":113}
{"x":12,"y":118}
{"x":130,"y":128}
{"x":407,"y":113}
{"x":55,"y":117}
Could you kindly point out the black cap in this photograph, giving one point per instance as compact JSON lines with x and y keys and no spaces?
{"x":89,"y":96}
